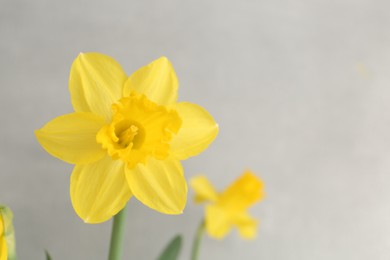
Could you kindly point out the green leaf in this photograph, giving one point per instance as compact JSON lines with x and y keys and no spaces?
{"x":48,"y":257}
{"x":171,"y":252}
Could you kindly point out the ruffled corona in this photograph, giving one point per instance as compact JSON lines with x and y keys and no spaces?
{"x":139,"y":128}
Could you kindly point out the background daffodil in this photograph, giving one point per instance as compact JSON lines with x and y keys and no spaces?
{"x":229,"y":208}
{"x":7,"y":236}
{"x":126,"y":137}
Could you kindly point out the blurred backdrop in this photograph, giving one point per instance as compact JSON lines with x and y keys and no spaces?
{"x":300,"y":90}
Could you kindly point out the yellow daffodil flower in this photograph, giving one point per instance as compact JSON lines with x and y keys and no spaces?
{"x":229,"y":208}
{"x":7,"y":237}
{"x":126,"y":137}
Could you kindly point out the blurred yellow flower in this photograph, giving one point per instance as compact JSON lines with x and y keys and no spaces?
{"x":3,"y":242}
{"x":7,"y":236}
{"x":126,"y":137}
{"x":229,"y":208}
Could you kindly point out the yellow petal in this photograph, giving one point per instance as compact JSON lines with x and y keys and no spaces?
{"x":198,"y":130}
{"x":217,"y":222}
{"x":247,"y":226}
{"x":7,"y":238}
{"x":3,"y":244}
{"x":159,"y":184}
{"x":245,"y":191}
{"x":99,"y":190}
{"x":72,"y":137}
{"x":3,"y":249}
{"x":156,"y":80}
{"x":1,"y":226}
{"x":96,"y":82}
{"x":204,"y":190}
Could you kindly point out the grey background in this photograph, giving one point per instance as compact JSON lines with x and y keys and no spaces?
{"x":300,"y":90}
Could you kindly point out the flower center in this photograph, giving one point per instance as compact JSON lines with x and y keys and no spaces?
{"x":128,"y":133}
{"x":139,"y":128}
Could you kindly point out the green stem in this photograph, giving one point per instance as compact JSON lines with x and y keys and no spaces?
{"x":118,"y":229}
{"x":197,"y":240}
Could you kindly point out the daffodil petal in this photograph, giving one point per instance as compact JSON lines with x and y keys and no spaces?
{"x":99,"y":190}
{"x":247,"y":226}
{"x":72,"y":137}
{"x":159,"y":185}
{"x":7,"y":239}
{"x":198,"y":130}
{"x":157,"y":81}
{"x":96,"y":82}
{"x":3,"y":249}
{"x":3,"y":244}
{"x":218,"y":223}
{"x":204,"y":190}
{"x":245,"y":191}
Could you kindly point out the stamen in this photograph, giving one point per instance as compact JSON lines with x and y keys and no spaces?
{"x":127,"y":136}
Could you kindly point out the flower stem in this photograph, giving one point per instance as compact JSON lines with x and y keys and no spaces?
{"x":118,"y":228}
{"x":197,"y":240}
